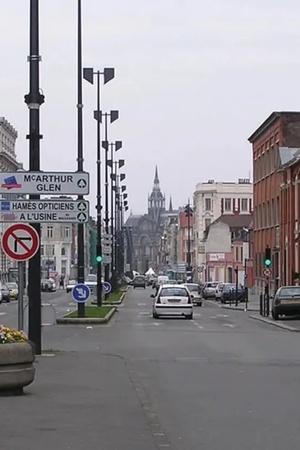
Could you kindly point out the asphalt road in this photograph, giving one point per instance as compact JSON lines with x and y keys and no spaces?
{"x":60,"y":301}
{"x":220,"y":381}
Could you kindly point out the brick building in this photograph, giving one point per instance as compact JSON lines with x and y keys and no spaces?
{"x":271,"y":144}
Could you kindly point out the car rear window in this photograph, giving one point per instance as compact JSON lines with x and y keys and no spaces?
{"x":192,"y":287}
{"x":290,"y":292}
{"x":212,"y":285}
{"x":174,"y":292}
{"x":139,"y":279}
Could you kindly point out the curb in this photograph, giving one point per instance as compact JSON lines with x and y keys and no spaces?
{"x":111,"y":304}
{"x":238,"y":308}
{"x":275,"y":324}
{"x":82,"y":321}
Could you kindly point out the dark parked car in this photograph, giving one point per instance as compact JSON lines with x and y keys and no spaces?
{"x":229,"y":293}
{"x":286,"y":302}
{"x":139,"y":281}
{"x":5,"y":292}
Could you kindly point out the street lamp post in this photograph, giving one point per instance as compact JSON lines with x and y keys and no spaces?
{"x":189,"y":213}
{"x":88,"y":75}
{"x":113,"y":115}
{"x":34,"y":100}
{"x":113,"y":175}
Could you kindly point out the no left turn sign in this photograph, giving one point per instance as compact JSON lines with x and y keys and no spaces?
{"x":20,"y":242}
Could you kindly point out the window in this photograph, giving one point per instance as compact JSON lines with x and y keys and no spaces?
{"x":242,"y":254}
{"x":207,"y":223}
{"x":42,"y":250}
{"x":244,"y":204}
{"x":65,"y":232}
{"x":63,"y":251}
{"x":227,"y":204}
{"x":49,"y":231}
{"x":49,"y":250}
{"x":208,"y":204}
{"x":237,"y":254}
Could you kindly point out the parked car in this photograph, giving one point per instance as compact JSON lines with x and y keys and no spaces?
{"x":209,"y":290}
{"x":91,"y":282}
{"x":4,"y":292}
{"x":173,"y":300}
{"x":0,"y":297}
{"x":219,"y":290}
{"x":139,"y":281}
{"x":229,"y":293}
{"x":48,"y":285}
{"x":70,"y":285}
{"x":13,"y":290}
{"x":194,"y":290}
{"x":286,"y":302}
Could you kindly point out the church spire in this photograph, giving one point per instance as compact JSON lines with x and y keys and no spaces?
{"x":156,"y":179}
{"x":171,"y":204}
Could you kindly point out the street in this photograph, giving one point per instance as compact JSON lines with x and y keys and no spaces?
{"x":221,"y":380}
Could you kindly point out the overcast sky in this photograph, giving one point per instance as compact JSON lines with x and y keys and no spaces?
{"x":193,"y":80}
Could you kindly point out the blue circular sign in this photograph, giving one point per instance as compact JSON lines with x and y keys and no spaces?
{"x":81,"y":293}
{"x":106,"y":286}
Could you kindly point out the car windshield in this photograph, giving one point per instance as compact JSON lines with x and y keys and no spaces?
{"x":212,"y":285}
{"x":12,"y":285}
{"x":91,"y":277}
{"x":71,"y":282}
{"x":173,"y":292}
{"x":192,"y":287}
{"x":290,"y":292}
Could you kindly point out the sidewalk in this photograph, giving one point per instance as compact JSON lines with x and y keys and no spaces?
{"x":79,"y":400}
{"x":253,"y":304}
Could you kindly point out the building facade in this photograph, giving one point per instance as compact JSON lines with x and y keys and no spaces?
{"x":8,"y":163}
{"x":280,"y":130}
{"x":211,"y":200}
{"x":227,"y":247}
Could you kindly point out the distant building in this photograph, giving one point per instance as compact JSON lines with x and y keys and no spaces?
{"x":211,"y":200}
{"x":8,"y":163}
{"x":143,"y":233}
{"x":227,"y":246}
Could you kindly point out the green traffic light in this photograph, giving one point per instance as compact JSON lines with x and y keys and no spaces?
{"x":99,"y":259}
{"x":268,"y":262}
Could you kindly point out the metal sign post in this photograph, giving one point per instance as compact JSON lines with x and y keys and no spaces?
{"x":21,"y":272}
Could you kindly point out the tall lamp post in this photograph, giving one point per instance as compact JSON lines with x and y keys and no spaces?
{"x":34,"y":100}
{"x":113,"y":115}
{"x":189,"y":213}
{"x":89,"y":74}
{"x":114,"y":167}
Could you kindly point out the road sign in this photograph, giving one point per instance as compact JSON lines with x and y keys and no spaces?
{"x":106,"y":286}
{"x":81,"y":293}
{"x":200,"y":269}
{"x":181,"y":267}
{"x":107,"y":237}
{"x":44,"y":183}
{"x":106,"y":259}
{"x":267,"y":272}
{"x":36,"y":211}
{"x":106,"y":249}
{"x":20,"y":242}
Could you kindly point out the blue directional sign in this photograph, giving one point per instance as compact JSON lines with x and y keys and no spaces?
{"x":81,"y":293}
{"x":106,"y":287}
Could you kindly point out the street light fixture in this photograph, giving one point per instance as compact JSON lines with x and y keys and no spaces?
{"x":108,"y":74}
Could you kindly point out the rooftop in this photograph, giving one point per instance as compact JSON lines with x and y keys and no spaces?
{"x":270,"y":120}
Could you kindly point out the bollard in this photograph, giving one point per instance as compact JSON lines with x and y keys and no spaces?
{"x":261,"y":304}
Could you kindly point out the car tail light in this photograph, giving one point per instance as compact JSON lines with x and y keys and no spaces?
{"x":277,"y":301}
{"x":189,"y":299}
{"x":158,"y":300}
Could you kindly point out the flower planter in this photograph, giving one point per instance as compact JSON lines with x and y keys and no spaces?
{"x":16,"y":367}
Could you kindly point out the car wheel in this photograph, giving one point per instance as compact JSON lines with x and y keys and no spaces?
{"x":275,"y":315}
{"x":8,"y":300}
{"x":155,"y":316}
{"x":200,"y":304}
{"x":189,"y":317}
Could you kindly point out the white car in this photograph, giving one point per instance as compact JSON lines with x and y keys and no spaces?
{"x":70,"y":285}
{"x":172,"y":300}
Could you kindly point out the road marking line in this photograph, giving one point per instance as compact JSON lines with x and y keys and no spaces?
{"x":141,"y":304}
{"x":222,"y":315}
{"x":197,"y":325}
{"x":2,"y":313}
{"x":228,"y":325}
{"x":213,"y":317}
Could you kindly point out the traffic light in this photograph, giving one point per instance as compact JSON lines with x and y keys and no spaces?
{"x":99,"y":257}
{"x":267,"y":260}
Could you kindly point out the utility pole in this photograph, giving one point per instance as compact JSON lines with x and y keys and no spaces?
{"x":34,"y":100}
{"x":108,"y":74}
{"x":80,"y":226}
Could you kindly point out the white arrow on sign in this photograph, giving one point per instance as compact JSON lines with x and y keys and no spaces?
{"x":81,"y":217}
{"x":82,"y":293}
{"x":82,"y":206}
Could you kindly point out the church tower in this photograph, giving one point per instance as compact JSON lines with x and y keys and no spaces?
{"x":156,"y":200}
